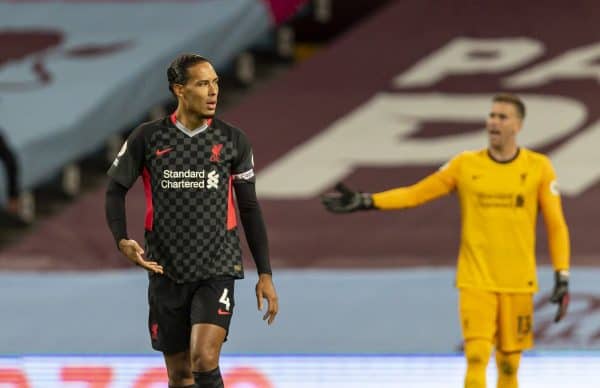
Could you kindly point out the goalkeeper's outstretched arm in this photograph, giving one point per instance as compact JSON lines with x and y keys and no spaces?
{"x":345,"y":200}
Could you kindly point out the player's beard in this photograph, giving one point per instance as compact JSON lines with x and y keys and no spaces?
{"x":204,"y":115}
{"x":198,"y":109}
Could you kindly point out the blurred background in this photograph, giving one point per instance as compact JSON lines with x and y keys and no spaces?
{"x":376,"y":93}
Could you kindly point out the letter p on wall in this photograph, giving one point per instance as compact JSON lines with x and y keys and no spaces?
{"x":464,"y":55}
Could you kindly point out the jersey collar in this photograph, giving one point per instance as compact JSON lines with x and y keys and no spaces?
{"x":504,"y":161}
{"x":187,"y":131}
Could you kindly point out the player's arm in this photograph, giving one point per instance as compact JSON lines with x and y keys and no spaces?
{"x":123,"y":173}
{"x":10,"y":164}
{"x":427,"y":189}
{"x":431,"y":187}
{"x":254,"y":226}
{"x":114,"y":207}
{"x":558,"y":238}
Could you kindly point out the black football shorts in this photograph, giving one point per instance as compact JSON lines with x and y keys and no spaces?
{"x":175,"y":308}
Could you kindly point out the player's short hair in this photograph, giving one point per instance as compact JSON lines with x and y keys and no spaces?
{"x":177,"y":72}
{"x":512,"y":99}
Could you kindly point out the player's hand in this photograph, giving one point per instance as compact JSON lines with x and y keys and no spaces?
{"x":132,"y":250}
{"x":560,"y":293}
{"x":346,"y":200}
{"x":266,"y":290}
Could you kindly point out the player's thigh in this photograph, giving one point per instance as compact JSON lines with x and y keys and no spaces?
{"x":515,"y":322}
{"x":169,"y":311}
{"x":205,"y":345}
{"x":213,"y":303}
{"x":478,"y":312}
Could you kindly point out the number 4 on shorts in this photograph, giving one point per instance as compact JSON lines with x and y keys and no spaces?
{"x":225,"y":299}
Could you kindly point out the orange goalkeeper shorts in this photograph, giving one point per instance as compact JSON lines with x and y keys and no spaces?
{"x":505,"y":319}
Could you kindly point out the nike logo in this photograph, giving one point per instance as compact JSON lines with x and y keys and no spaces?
{"x":223,"y":312}
{"x":160,"y":153}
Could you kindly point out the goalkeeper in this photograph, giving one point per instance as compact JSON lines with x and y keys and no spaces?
{"x":500,"y":189}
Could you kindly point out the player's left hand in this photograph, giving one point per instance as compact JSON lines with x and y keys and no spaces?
{"x":345,"y":200}
{"x":266,"y":290}
{"x":560,"y":294}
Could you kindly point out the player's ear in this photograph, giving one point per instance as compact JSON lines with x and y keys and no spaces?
{"x":178,"y":90}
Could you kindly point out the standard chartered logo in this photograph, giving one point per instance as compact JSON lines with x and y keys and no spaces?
{"x":213,"y":180}
{"x":188,"y":179}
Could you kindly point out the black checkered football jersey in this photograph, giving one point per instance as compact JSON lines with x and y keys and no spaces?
{"x":191,"y":222}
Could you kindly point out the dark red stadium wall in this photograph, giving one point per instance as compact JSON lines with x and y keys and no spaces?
{"x":364,"y":62}
{"x":304,"y":102}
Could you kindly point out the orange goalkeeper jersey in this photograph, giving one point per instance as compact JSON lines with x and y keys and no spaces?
{"x":499,"y":203}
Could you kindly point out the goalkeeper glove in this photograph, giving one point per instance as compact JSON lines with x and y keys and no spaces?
{"x":346,"y":200}
{"x":560,"y":293}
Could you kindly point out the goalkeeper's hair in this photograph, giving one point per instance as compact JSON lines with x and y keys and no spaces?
{"x":512,"y":99}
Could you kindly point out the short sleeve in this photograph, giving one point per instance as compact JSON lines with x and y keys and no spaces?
{"x":242,"y":168}
{"x":129,"y":162}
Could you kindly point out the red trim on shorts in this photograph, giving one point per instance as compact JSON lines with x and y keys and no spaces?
{"x":173,"y":118}
{"x":231,"y":216}
{"x":149,"y":207}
